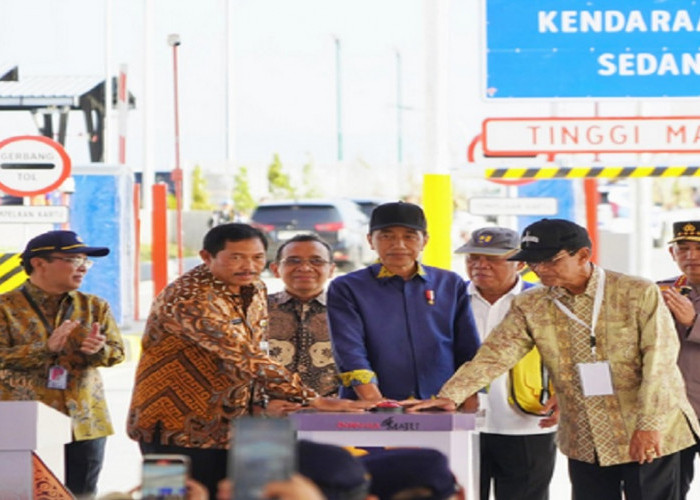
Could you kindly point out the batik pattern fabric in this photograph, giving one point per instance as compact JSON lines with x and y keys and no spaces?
{"x":202,"y":362}
{"x":299,"y":340}
{"x":634,"y":332}
{"x":25,"y":358}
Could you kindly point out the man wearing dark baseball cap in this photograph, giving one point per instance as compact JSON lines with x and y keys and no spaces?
{"x":60,"y":241}
{"x":52,"y":339}
{"x":399,"y":328}
{"x":682,"y":296}
{"x":610,"y":345}
{"x":544,"y":239}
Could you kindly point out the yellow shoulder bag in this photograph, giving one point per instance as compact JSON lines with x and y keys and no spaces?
{"x":529,"y":384}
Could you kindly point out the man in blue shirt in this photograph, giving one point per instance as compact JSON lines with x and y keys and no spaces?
{"x":399,"y":328}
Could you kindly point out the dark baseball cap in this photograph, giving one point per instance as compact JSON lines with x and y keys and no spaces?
{"x":60,"y":241}
{"x":398,"y":214}
{"x":491,"y":241}
{"x":396,"y":470}
{"x":543,"y":239}
{"x":338,"y":474}
{"x":686,"y":231}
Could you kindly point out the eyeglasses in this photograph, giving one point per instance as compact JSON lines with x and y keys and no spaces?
{"x":548,"y":262}
{"x":76,"y":262}
{"x":296,"y":261}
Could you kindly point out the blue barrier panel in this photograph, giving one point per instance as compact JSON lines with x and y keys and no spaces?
{"x":562,"y":190}
{"x":101,"y":214}
{"x":592,"y":48}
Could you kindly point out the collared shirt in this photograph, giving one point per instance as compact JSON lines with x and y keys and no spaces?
{"x":408,"y":336}
{"x":299,"y":339}
{"x":634,"y":333}
{"x":202,"y":361}
{"x":25,"y":358}
{"x":689,"y":355}
{"x":500,"y":416}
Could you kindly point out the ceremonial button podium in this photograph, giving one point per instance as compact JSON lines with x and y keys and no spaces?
{"x":32,"y":436}
{"x":450,"y":433}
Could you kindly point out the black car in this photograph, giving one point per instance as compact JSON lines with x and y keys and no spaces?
{"x":340,"y":222}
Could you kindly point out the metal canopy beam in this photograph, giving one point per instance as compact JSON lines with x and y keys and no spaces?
{"x":49,"y":96}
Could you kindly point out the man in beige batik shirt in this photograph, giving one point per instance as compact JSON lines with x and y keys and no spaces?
{"x":611,"y":347}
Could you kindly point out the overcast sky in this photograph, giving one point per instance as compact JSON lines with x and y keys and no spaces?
{"x":285,"y":74}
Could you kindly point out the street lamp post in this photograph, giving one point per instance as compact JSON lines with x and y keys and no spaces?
{"x":399,"y":110}
{"x":338,"y":98}
{"x":174,"y":42}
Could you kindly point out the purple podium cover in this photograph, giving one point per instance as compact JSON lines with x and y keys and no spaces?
{"x":382,"y":422}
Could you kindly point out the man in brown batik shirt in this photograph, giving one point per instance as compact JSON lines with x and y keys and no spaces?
{"x":204,"y":358}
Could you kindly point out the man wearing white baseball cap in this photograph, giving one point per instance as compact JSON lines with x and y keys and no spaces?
{"x":517,"y":449}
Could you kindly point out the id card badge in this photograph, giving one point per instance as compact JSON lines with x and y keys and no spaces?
{"x":595,"y":378}
{"x":58,"y":377}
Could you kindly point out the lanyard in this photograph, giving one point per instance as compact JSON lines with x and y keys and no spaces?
{"x":40,"y":313}
{"x":597,"y":303}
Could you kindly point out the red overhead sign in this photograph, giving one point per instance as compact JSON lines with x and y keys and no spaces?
{"x":31,"y":165}
{"x":527,"y":136}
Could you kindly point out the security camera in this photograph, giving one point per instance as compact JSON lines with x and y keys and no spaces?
{"x":174,"y":40}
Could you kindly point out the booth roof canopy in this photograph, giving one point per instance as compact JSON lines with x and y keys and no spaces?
{"x":43,"y":91}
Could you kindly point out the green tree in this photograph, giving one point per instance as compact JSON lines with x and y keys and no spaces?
{"x":278,"y":182}
{"x":243,"y":201}
{"x":200,"y":195}
{"x":308,"y":181}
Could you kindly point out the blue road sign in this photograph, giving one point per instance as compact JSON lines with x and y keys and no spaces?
{"x":592,"y":48}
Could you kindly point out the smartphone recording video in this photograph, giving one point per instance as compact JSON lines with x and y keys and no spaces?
{"x":164,"y":476}
{"x":262,"y":450}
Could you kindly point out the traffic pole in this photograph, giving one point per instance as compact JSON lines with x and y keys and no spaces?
{"x":174,"y":41}
{"x":590,"y":189}
{"x":437,"y":182}
{"x":137,"y":249}
{"x":159,"y":238}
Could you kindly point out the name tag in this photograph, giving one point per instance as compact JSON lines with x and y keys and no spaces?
{"x":596,"y":379}
{"x":265,"y":346}
{"x":58,"y":377}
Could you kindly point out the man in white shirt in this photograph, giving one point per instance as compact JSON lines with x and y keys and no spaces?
{"x":517,"y":448}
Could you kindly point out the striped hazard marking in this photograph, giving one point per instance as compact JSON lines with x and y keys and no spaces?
{"x":11,"y":273}
{"x":537,"y":173}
